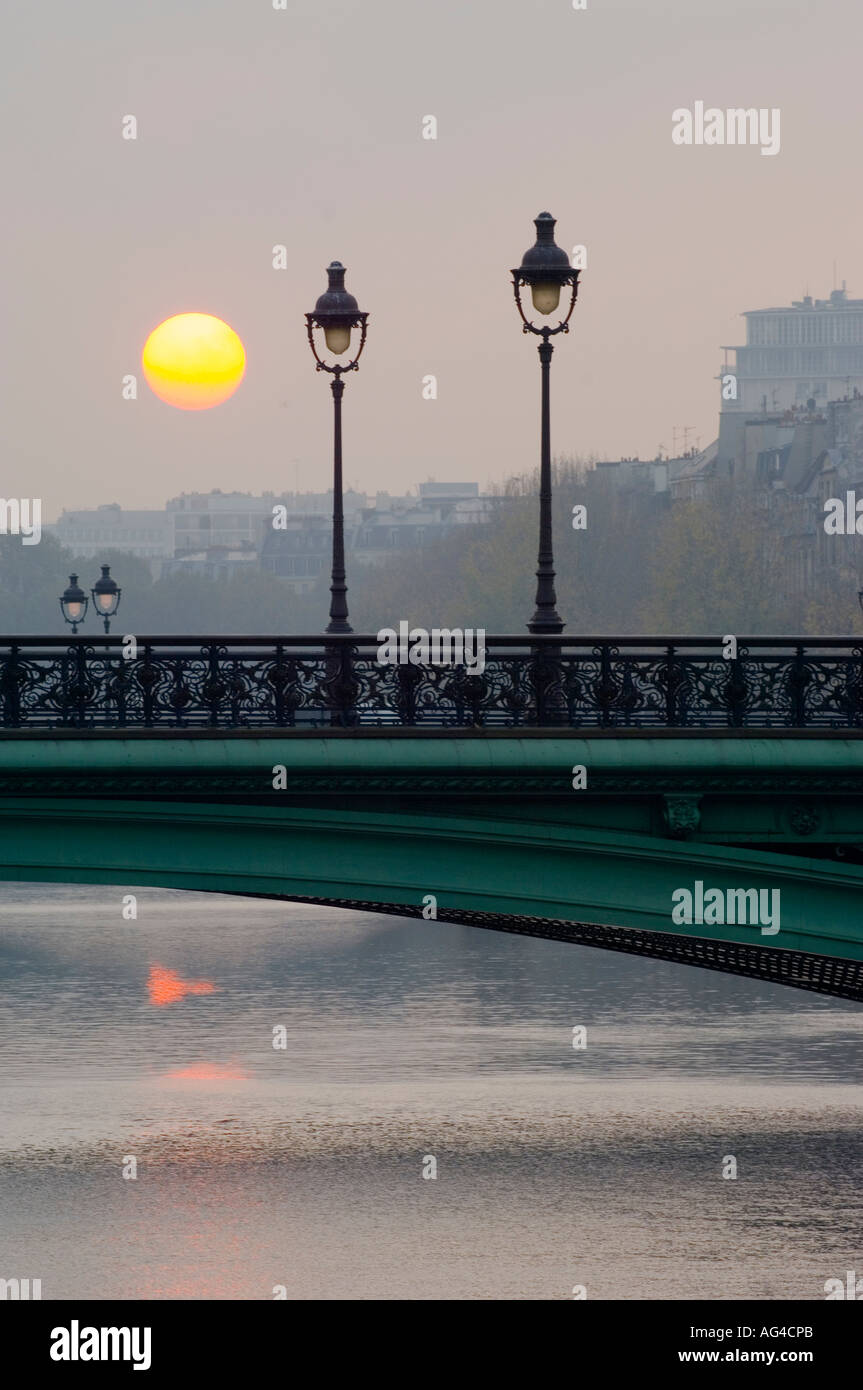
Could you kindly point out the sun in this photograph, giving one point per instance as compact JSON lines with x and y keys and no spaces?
{"x":193,"y":361}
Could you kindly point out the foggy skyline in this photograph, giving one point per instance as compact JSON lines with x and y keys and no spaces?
{"x":538,"y":107}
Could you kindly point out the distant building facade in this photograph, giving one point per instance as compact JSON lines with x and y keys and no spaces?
{"x":300,"y":550}
{"x":794,"y":359}
{"x":810,"y":351}
{"x":91,"y":532}
{"x":216,"y":533}
{"x":230,"y":521}
{"x":663,"y":480}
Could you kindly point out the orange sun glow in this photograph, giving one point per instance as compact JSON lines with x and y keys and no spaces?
{"x":193,"y":361}
{"x":167,"y":987}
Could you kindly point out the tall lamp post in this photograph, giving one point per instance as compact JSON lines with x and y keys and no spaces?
{"x":546,"y":269}
{"x":337,"y":312}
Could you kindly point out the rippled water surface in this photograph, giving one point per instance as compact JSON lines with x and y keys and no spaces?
{"x":302,"y":1165}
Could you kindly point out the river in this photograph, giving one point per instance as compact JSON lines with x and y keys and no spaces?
{"x":405,"y":1047}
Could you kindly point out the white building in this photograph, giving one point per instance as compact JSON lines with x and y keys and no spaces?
{"x":236,"y":521}
{"x":810,"y":351}
{"x":90,"y":533}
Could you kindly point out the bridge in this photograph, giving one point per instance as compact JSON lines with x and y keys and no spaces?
{"x":564,"y":788}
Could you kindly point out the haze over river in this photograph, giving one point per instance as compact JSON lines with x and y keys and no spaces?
{"x":303,"y":1166}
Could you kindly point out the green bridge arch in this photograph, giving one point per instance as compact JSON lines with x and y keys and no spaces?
{"x":489,"y":824}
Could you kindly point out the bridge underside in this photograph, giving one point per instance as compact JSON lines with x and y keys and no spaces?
{"x":798,"y":969}
{"x":491,"y":827}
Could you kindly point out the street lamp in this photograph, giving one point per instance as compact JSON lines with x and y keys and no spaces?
{"x":546,"y":269}
{"x":106,"y":596}
{"x":73,"y":603}
{"x":337,"y":312}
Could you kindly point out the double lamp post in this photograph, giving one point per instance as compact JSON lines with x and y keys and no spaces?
{"x":104,"y":593}
{"x":545,"y":269}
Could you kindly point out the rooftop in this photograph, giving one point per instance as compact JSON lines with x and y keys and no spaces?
{"x":838,"y":300}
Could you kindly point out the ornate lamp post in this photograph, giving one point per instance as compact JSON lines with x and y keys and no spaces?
{"x":106,"y":596}
{"x":337,"y":312}
{"x":73,"y":603}
{"x":546,"y":269}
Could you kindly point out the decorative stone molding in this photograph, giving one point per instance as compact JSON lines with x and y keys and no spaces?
{"x":682,"y":815}
{"x":804,"y":820}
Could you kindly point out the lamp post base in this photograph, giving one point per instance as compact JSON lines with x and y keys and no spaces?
{"x":546,"y":624}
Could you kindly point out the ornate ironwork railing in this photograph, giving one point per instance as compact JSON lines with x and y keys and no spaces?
{"x":323,"y":682}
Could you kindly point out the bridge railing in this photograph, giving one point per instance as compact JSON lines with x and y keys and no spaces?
{"x":313,"y":682}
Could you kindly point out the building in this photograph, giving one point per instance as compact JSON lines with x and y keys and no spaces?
{"x":90,"y":533}
{"x":299,"y":552}
{"x":660,"y":480}
{"x":229,"y":521}
{"x":213,"y":562}
{"x":689,"y":475}
{"x":301,"y":549}
{"x":217,"y":533}
{"x":797,"y":358}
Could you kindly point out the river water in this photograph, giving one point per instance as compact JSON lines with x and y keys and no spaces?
{"x":409,"y":1046}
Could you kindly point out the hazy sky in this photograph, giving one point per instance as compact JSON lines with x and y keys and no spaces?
{"x":303,"y":127}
